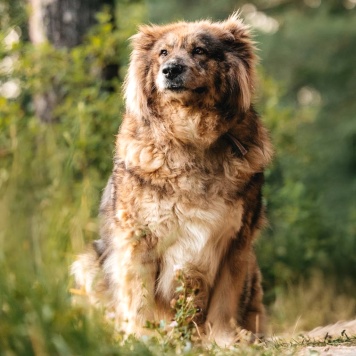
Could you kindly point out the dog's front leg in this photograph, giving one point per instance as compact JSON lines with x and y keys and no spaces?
{"x":221,"y":324}
{"x":229,"y":320}
{"x":131,"y":269}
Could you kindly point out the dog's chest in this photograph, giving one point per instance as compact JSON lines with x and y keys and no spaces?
{"x":193,"y":229}
{"x":193,"y":212}
{"x":202,"y":231}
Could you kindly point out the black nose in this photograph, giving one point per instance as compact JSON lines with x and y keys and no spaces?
{"x":172,"y":70}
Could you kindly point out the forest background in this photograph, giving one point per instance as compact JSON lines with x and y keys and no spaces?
{"x":61,"y":106}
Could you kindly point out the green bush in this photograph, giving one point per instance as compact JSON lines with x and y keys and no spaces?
{"x":51,"y":177}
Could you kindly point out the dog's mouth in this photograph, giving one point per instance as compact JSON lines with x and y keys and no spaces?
{"x":180,"y":88}
{"x":176,"y":87}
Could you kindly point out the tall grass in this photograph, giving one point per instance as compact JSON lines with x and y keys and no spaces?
{"x":308,"y":304}
{"x":46,"y":213}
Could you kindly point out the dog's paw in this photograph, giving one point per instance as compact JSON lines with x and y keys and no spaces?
{"x":229,"y":338}
{"x":243,"y":336}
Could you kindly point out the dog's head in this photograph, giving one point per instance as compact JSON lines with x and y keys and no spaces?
{"x":200,"y":64}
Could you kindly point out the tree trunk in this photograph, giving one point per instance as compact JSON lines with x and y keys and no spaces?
{"x":63,"y":23}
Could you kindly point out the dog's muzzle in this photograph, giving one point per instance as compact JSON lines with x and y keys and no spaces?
{"x":173,"y":77}
{"x":172,"y":70}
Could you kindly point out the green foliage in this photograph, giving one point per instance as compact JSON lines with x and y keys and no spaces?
{"x":311,"y":186}
{"x":51,"y":176}
{"x":184,"y":308}
{"x":183,"y":331}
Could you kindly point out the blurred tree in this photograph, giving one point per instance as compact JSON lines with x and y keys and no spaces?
{"x":44,"y":166}
{"x":313,"y":203}
{"x":12,"y":13}
{"x":63,"y":23}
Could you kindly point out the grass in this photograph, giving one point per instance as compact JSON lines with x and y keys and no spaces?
{"x":308,"y":304}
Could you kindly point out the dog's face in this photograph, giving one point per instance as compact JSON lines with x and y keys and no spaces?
{"x":187,"y":64}
{"x":200,"y":65}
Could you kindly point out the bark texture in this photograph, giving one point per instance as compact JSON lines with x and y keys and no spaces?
{"x":63,"y":23}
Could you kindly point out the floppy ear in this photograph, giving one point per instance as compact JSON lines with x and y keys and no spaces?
{"x":242,"y":59}
{"x":136,"y":86}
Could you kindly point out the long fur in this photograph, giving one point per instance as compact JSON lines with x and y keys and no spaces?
{"x":180,"y":195}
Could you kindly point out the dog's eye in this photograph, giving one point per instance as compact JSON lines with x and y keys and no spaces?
{"x":199,"y":50}
{"x":163,"y":52}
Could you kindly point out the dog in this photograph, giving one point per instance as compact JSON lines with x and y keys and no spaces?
{"x":185,"y":191}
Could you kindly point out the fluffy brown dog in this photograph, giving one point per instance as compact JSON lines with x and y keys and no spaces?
{"x":185,"y":191}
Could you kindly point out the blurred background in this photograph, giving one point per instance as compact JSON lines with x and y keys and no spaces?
{"x":62,"y":64}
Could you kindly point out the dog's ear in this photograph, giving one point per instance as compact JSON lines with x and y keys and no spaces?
{"x":146,"y":37}
{"x":236,"y":27}
{"x":136,"y":87}
{"x":242,"y":56}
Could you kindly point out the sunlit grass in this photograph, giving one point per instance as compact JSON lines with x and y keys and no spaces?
{"x":309,"y":304}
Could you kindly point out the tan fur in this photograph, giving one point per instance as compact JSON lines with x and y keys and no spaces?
{"x":181,"y":196}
